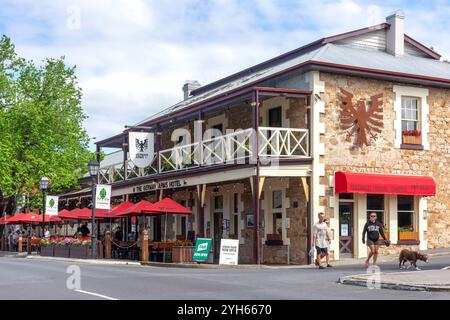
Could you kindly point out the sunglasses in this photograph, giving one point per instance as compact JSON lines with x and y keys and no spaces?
{"x":373,"y":216}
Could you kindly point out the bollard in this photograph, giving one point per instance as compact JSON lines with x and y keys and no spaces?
{"x":19,"y":249}
{"x":144,"y":246}
{"x":29,"y":245}
{"x":108,"y":245}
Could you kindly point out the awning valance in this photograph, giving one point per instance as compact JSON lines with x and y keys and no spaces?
{"x":350,"y":182}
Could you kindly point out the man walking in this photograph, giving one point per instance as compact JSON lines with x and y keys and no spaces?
{"x":321,"y":240}
{"x":374,"y":229}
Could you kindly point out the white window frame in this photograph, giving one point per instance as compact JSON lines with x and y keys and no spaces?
{"x":422,"y":95}
{"x":410,"y":108}
{"x":413,"y":212}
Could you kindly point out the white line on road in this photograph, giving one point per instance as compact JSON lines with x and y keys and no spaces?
{"x":96,"y":294}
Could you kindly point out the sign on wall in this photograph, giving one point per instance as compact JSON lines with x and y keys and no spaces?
{"x":229,"y":251}
{"x":103,"y":196}
{"x":362,"y":120}
{"x":141,"y":147}
{"x":51,"y":205}
{"x":201,"y":250}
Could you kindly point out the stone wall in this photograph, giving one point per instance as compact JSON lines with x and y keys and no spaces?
{"x":381,"y":156}
{"x":298,"y":222}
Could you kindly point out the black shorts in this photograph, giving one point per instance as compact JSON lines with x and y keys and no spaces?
{"x":321,"y":250}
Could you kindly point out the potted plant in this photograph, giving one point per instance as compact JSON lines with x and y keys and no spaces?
{"x":407,"y":233}
{"x":47,"y":248}
{"x":182,"y":251}
{"x":79,"y":249}
{"x":412,"y":137}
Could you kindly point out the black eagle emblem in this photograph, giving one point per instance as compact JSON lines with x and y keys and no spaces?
{"x":142,"y":144}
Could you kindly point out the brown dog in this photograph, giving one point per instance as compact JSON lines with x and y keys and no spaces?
{"x":412,"y":257}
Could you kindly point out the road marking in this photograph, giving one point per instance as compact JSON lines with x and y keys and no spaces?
{"x":96,"y":294}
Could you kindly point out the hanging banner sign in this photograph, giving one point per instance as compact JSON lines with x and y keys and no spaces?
{"x":141,"y":147}
{"x":51,"y":205}
{"x":103,"y":196}
{"x":229,"y":251}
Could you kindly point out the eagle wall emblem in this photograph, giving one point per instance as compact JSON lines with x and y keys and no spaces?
{"x":364,"y":123}
{"x":142,"y":144}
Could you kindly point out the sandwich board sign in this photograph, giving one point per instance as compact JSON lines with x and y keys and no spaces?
{"x":229,"y":251}
{"x":103,"y":196}
{"x":51,"y":205}
{"x":201,"y":250}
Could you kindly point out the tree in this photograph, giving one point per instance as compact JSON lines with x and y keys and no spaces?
{"x":41,"y":125}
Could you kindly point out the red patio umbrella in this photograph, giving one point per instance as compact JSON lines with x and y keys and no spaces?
{"x":4,"y":219}
{"x":66,"y":215}
{"x":166,"y":206}
{"x":142,"y":207}
{"x":116,"y":211}
{"x":14,"y":219}
{"x":86,"y":214}
{"x":30,"y":217}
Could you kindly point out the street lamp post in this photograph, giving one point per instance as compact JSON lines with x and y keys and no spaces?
{"x":43,"y":185}
{"x":94,"y":166}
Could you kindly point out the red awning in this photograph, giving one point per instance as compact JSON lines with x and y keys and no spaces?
{"x":350,"y":182}
{"x":168,"y":205}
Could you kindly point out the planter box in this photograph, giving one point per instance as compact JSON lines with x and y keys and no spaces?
{"x":62,"y":251}
{"x":182,"y":254}
{"x":80,"y":252}
{"x":408,"y":235}
{"x":411,"y":139}
{"x":48,"y":251}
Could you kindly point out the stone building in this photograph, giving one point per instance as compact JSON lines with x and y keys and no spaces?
{"x":349,"y":124}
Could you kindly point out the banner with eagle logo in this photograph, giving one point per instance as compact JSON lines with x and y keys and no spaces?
{"x":141,"y":147}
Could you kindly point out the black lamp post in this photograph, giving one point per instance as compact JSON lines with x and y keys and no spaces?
{"x":43,"y":185}
{"x":94,"y":166}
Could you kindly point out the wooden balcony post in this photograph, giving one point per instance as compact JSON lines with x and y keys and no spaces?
{"x":144,"y":246}
{"x":108,"y":245}
{"x":19,"y":249}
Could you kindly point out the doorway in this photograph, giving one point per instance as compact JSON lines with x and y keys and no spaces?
{"x":157,"y":228}
{"x":217,"y":236}
{"x":346,"y":229}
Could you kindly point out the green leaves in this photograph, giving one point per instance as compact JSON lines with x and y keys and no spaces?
{"x":41,"y":124}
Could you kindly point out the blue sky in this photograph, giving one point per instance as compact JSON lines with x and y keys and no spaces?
{"x":133,"y":56}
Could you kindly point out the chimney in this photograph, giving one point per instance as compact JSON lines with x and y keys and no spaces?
{"x":189,"y":86}
{"x":395,"y":43}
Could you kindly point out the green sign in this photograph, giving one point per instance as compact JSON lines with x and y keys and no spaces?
{"x":201,"y":250}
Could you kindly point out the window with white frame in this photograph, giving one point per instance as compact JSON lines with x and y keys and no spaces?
{"x":375,"y":203}
{"x":405,"y":213}
{"x":277,"y":212}
{"x":410,"y":114}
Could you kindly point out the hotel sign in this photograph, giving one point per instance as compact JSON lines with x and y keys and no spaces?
{"x":159,"y":186}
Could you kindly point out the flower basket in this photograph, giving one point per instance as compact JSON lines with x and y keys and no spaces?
{"x":408,"y":235}
{"x":62,"y":251}
{"x":412,"y":137}
{"x":182,"y":254}
{"x":47,"y":251}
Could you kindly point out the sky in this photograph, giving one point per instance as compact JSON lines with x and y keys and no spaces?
{"x":133,"y":56}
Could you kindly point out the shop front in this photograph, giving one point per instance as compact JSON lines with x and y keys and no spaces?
{"x":400,"y":202}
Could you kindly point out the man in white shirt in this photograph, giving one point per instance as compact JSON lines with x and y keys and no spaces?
{"x":321,"y":240}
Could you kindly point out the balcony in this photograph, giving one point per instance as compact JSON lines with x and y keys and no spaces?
{"x":274,"y":144}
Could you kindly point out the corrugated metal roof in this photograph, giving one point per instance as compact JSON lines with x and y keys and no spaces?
{"x":329,"y":53}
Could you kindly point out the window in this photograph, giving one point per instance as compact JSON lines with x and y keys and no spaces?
{"x":277,"y":200}
{"x":218,"y":202}
{"x":405,"y":213}
{"x":375,"y":203}
{"x":235,"y":203}
{"x":410,"y":114}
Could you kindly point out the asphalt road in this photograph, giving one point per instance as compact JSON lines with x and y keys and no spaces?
{"x":22,"y":278}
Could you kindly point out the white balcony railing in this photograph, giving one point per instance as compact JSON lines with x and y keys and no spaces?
{"x":232,"y":148}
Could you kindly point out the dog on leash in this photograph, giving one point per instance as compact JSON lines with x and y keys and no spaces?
{"x":411,"y":257}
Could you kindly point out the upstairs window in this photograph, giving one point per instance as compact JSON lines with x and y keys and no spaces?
{"x":410,"y":114}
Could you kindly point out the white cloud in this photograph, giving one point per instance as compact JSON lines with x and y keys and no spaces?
{"x":133,"y":56}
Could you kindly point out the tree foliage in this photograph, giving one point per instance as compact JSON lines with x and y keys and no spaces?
{"x":41,"y":125}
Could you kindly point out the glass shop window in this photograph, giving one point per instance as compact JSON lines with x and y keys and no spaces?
{"x":405,"y":213}
{"x":375,"y":203}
